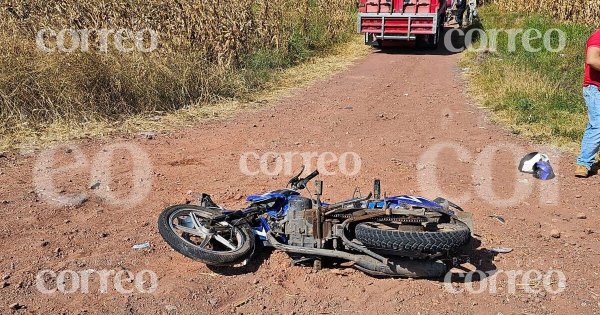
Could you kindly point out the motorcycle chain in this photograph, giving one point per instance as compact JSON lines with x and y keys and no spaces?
{"x":401,"y":219}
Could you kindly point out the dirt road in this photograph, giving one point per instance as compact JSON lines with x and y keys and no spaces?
{"x":402,"y":117}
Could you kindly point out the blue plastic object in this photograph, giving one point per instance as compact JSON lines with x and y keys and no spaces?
{"x":543,"y":170}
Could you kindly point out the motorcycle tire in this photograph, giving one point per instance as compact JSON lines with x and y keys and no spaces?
{"x":184,"y":244}
{"x":447,"y":237}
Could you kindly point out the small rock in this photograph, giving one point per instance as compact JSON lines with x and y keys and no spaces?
{"x":6,"y":277}
{"x":478,"y":150}
{"x":57,"y":250}
{"x":103,"y":234}
{"x":212,"y":302}
{"x":68,"y":150}
{"x":588,"y":231}
{"x":170,"y":308}
{"x":44,"y":243}
{"x":16,"y":306}
{"x":95,"y":185}
{"x":339,"y":272}
{"x":148,"y":135}
{"x":578,"y":196}
{"x":142,"y":245}
{"x":2,"y":155}
{"x":3,"y":284}
{"x":78,"y":202}
{"x":581,"y":215}
{"x":255,"y":281}
{"x":555,"y":233}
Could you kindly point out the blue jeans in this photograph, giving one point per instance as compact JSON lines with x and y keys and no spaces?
{"x":591,"y":137}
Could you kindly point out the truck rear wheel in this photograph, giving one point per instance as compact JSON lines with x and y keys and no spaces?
{"x":432,"y":42}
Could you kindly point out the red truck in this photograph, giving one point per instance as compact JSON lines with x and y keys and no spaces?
{"x":388,"y":21}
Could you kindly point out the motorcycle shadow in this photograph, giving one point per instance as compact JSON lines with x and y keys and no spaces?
{"x":263,"y":253}
{"x":254,"y":262}
{"x":480,"y":258}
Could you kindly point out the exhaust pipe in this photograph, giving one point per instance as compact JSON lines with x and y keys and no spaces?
{"x":395,"y":268}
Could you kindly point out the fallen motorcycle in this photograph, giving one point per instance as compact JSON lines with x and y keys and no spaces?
{"x":399,"y":236}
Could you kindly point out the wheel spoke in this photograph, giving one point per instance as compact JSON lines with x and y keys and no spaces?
{"x":199,"y":225}
{"x":205,"y":241}
{"x":195,"y":221}
{"x":208,"y":236}
{"x":223,"y":241}
{"x":190,"y":230}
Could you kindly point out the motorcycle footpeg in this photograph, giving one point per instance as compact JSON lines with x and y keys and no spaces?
{"x":301,"y":260}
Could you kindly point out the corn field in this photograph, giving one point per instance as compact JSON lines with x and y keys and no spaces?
{"x":207,"y":50}
{"x":579,"y":11}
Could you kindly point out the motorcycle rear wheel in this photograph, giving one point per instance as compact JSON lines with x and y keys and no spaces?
{"x":184,"y":228}
{"x":395,"y":236}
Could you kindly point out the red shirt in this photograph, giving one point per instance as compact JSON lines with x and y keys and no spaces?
{"x":592,"y":76}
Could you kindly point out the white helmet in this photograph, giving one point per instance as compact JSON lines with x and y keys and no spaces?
{"x":527,"y":164}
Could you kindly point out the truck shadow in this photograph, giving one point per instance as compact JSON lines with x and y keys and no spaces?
{"x":452,"y":43}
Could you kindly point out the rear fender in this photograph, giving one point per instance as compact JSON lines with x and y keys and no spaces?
{"x":457,"y":212}
{"x":467,"y":219}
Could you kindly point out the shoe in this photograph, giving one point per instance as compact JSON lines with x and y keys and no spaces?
{"x":582,"y":171}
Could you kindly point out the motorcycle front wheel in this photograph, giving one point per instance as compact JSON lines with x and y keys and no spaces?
{"x":185,"y":228}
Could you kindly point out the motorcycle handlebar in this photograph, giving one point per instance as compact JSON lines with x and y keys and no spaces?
{"x":298,"y":183}
{"x":311,"y":176}
{"x":302,"y":184}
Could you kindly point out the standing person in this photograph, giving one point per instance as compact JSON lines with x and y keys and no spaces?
{"x":591,"y":93}
{"x":461,"y":7}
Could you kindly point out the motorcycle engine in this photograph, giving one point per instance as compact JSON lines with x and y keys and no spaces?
{"x":299,"y":226}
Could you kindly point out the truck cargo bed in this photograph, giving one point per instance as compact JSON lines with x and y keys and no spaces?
{"x":400,"y":19}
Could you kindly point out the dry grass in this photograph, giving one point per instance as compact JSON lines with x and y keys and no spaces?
{"x":579,"y":11}
{"x":283,"y":83}
{"x":538,"y":95}
{"x":209,"y":52}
